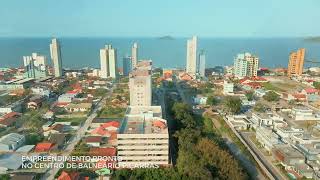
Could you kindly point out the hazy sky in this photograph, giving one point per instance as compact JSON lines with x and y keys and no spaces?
{"x":139,"y":18}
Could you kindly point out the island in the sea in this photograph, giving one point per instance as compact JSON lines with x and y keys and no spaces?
{"x":166,"y":38}
{"x":313,"y":39}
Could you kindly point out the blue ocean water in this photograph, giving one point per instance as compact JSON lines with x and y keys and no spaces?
{"x":84,"y":52}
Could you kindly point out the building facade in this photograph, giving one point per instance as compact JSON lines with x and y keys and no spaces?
{"x":296,"y":63}
{"x":143,"y":137}
{"x":55,"y":53}
{"x":246,"y":65}
{"x":35,"y":66}
{"x":134,"y":55}
{"x":108,"y":62}
{"x":127,"y":65}
{"x":191,"y":67}
{"x":202,"y":64}
{"x":140,"y":86}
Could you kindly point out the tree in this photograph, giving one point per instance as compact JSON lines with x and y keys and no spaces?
{"x":232,"y":104}
{"x":212,"y":101}
{"x":259,"y":107}
{"x":316,"y":85}
{"x":32,"y":139}
{"x":271,"y":96}
{"x":249,"y":95}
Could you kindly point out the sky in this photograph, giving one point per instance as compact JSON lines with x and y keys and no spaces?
{"x":153,"y":18}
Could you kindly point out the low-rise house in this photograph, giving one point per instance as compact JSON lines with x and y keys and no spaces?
{"x":260,"y":92}
{"x":69,"y":175}
{"x":228,"y":88}
{"x":41,"y":91}
{"x":81,"y":107}
{"x":287,"y":132}
{"x":10,"y":161}
{"x":265,"y":119}
{"x":55,"y":129}
{"x":200,"y":100}
{"x":45,"y":147}
{"x":303,"y":170}
{"x":14,"y":107}
{"x":49,"y":115}
{"x":309,"y":91}
{"x":11,"y":142}
{"x":58,"y":139}
{"x":9,"y":119}
{"x":35,"y":102}
{"x":94,"y":141}
{"x":288,"y":156}
{"x":302,"y":113}
{"x":310,"y":151}
{"x":185,"y":77}
{"x":239,"y":122}
{"x":66,"y":98}
{"x":267,"y":138}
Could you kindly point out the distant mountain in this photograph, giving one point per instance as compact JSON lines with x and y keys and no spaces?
{"x":313,"y":39}
{"x":166,"y":38}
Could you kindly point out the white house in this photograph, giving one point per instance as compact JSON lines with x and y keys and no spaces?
{"x":11,"y":142}
{"x":201,"y":100}
{"x":227,"y":88}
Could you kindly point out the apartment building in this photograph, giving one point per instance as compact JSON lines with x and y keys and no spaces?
{"x":143,"y":137}
{"x":296,"y":63}
{"x":246,"y":65}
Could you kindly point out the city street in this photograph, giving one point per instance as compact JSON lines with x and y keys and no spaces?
{"x":266,"y":161}
{"x":78,"y":136}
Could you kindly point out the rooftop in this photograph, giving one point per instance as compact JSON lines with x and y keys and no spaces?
{"x":144,"y":120}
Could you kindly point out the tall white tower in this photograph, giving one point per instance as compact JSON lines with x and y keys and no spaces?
{"x":56,"y":57}
{"x":108,"y":62}
{"x":134,"y":55}
{"x":191,"y":67}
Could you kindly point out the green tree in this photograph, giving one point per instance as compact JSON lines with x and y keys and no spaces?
{"x":232,"y":104}
{"x":271,"y":96}
{"x":250,"y":95}
{"x":316,"y":85}
{"x":212,"y":101}
{"x":32,"y":139}
{"x":259,"y":107}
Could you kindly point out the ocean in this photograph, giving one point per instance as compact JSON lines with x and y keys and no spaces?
{"x":166,"y":53}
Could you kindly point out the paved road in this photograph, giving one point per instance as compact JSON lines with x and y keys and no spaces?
{"x":77,"y":137}
{"x":251,"y":168}
{"x":267,"y":162}
{"x":162,"y":95}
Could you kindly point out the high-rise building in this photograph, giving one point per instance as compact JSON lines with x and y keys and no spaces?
{"x":296,"y":63}
{"x":104,"y":63}
{"x":134,"y":55}
{"x":140,"y":87}
{"x":113,"y":67}
{"x":127,"y":65}
{"x":246,"y":65}
{"x":108,"y":62}
{"x":191,"y":67}
{"x":35,"y":66}
{"x":143,"y":137}
{"x":202,"y":64}
{"x":55,"y":53}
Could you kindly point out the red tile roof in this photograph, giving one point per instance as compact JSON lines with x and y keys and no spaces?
{"x":93,"y":139}
{"x":159,"y":124}
{"x":311,"y":90}
{"x":111,"y":123}
{"x":69,"y":176}
{"x":100,"y":130}
{"x":44,"y":146}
